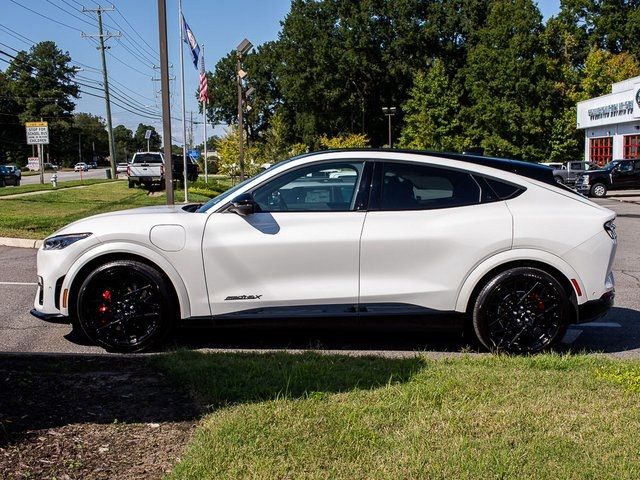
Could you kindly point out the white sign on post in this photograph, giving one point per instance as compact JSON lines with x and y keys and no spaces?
{"x":147,"y":135}
{"x":37,"y":133}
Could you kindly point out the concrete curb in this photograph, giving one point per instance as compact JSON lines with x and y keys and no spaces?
{"x":20,"y":242}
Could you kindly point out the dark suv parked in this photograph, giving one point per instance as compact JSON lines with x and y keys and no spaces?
{"x":617,"y":175}
{"x":9,"y":175}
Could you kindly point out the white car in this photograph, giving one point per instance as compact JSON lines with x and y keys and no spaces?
{"x":488,"y":243}
{"x":80,"y":167}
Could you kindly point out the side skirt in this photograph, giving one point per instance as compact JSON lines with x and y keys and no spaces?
{"x":371,"y":316}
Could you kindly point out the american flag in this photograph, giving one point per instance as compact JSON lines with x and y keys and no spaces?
{"x":204,"y":91}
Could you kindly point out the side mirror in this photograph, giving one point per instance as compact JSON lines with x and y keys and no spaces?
{"x":243,"y":204}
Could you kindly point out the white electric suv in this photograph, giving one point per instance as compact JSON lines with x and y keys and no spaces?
{"x":489,"y":243}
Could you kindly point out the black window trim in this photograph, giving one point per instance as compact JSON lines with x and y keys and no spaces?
{"x":361,"y":201}
{"x":375,"y":196}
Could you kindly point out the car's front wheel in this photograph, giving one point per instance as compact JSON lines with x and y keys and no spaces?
{"x":521,"y":310}
{"x":598,"y":190}
{"x":125,"y":306}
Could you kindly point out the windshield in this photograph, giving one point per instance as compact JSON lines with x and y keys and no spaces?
{"x":231,"y":191}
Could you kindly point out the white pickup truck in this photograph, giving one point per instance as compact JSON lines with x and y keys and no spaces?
{"x":146,"y":168}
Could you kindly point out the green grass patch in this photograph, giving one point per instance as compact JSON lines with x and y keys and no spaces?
{"x":37,"y":216}
{"x":331,"y":416}
{"x":37,"y":187}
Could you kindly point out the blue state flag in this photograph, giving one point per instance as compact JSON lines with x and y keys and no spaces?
{"x":190,"y":39}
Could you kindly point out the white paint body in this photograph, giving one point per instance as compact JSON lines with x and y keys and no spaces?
{"x":428,"y":258}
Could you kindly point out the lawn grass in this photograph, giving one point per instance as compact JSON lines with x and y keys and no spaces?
{"x":36,"y":187}
{"x":37,"y":216}
{"x":321,"y":416}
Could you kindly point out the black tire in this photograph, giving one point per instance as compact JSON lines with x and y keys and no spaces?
{"x":2,"y":182}
{"x":132,"y":184}
{"x":559,"y":180}
{"x":521,"y":310}
{"x":125,"y":306}
{"x":18,"y":183}
{"x":598,"y":190}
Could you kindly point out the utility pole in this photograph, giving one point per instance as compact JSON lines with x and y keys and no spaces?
{"x":105,"y":78}
{"x":166,"y":105}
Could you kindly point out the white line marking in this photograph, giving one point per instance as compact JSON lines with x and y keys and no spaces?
{"x":571,"y":336}
{"x":601,"y":325}
{"x":18,"y":283}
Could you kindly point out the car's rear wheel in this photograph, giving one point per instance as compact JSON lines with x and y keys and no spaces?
{"x":132,"y":184}
{"x":125,"y":306}
{"x":2,"y":183}
{"x":598,"y":190}
{"x":521,"y":310}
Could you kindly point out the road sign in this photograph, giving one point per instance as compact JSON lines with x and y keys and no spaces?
{"x":147,"y":135}
{"x":37,"y":133}
{"x":195,"y":154}
{"x":33,"y":163}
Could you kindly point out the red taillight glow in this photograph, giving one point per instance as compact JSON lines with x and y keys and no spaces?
{"x":128,"y":171}
{"x":161,"y":169}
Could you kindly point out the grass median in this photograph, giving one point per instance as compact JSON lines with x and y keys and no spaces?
{"x":326,"y":416}
{"x":36,"y":216}
{"x":37,"y":187}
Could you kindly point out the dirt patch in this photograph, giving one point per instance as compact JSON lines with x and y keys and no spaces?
{"x":89,"y":416}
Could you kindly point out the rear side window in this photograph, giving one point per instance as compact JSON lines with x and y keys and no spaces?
{"x":147,"y":158}
{"x":407,"y":186}
{"x":504,"y":191}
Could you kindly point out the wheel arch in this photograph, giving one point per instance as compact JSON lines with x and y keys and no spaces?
{"x":491,"y":267}
{"x":108,"y":252}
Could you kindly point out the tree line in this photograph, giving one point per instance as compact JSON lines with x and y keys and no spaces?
{"x":40,"y":84}
{"x":462,"y":74}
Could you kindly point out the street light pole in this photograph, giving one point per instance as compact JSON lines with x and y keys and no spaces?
{"x":389,"y":112}
{"x":241,"y":50}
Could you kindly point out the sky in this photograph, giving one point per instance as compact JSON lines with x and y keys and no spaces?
{"x":218,"y":24}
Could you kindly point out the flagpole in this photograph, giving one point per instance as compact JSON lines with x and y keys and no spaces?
{"x":184,"y":118}
{"x":204,"y":122}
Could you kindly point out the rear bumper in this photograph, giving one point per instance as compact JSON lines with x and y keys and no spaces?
{"x":594,"y":309}
{"x":146,"y":179}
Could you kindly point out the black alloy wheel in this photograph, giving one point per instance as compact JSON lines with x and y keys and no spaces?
{"x":522,"y":310}
{"x":125,"y":306}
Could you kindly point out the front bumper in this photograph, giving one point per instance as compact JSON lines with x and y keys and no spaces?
{"x":594,"y":309}
{"x":50,"y":317}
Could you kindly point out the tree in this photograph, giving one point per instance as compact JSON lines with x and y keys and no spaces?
{"x":43,"y":84}
{"x":124,"y":144}
{"x":140,"y":143}
{"x":229,"y":155}
{"x":602,"y":68}
{"x":345,"y":140}
{"x":431,"y":113}
{"x":508,"y":84}
{"x":92,"y":135}
{"x":13,"y":145}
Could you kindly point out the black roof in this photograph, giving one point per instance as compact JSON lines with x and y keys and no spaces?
{"x":526,"y":169}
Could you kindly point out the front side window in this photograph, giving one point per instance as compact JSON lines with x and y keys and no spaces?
{"x":315,"y":188}
{"x":407,"y":186}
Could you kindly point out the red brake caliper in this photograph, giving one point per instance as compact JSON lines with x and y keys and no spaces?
{"x":539,"y":301}
{"x":106,"y":297}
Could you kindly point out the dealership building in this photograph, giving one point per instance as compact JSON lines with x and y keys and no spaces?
{"x":611,"y":123}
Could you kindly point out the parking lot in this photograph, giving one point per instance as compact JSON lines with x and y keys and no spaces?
{"x":618,"y":333}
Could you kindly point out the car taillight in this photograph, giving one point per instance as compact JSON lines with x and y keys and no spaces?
{"x":610,"y":228}
{"x":161,"y":169}
{"x":128,"y":171}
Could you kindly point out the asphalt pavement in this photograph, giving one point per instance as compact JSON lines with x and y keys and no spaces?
{"x":616,"y":334}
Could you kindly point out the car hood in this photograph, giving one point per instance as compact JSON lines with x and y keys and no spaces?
{"x":98,"y":223}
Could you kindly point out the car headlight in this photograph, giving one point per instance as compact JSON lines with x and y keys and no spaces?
{"x":63,"y":241}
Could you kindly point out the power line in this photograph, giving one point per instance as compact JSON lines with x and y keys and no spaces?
{"x":71,"y":13}
{"x":45,"y":16}
{"x":155,"y":52}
